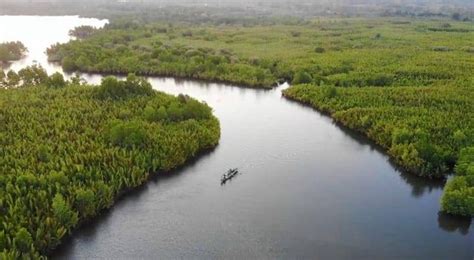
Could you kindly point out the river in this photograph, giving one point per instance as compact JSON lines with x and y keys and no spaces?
{"x":308,"y":188}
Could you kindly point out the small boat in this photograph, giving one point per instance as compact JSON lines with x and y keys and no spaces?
{"x":229,"y":175}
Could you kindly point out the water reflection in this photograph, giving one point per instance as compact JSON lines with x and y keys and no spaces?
{"x":452,"y":223}
{"x":421,"y":185}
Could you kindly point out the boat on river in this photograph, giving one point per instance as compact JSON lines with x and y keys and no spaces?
{"x":231,"y":173}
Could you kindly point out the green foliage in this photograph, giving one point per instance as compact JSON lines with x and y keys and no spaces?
{"x":33,"y":75}
{"x":422,"y":128}
{"x":343,"y":52}
{"x":56,"y":80}
{"x":66,"y":154}
{"x":111,"y":88}
{"x":85,"y":202}
{"x":302,"y":77}
{"x":43,"y":154}
{"x":328,"y":91}
{"x":13,"y":79}
{"x":23,"y":240}
{"x":458,"y":195}
{"x":127,"y":134}
{"x":82,"y":32}
{"x":69,"y":64}
{"x":11,"y":51}
{"x":63,"y":212}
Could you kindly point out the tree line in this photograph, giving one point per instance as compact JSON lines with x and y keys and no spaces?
{"x":426,"y":130}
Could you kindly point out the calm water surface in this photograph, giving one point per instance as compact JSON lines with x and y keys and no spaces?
{"x":308,"y":188}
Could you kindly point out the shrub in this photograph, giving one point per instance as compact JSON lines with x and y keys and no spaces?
{"x":63,"y":212}
{"x":380,"y":80}
{"x":33,"y":75}
{"x":458,"y":195}
{"x":84,"y":202}
{"x":302,"y":77}
{"x":23,"y":240}
{"x":111,"y":88}
{"x":82,"y":32}
{"x":127,"y":134}
{"x":57,"y":80}
{"x":328,"y":91}
{"x":153,"y":115}
{"x":68,"y":64}
{"x":319,"y":50}
{"x":11,"y":51}
{"x":43,"y":154}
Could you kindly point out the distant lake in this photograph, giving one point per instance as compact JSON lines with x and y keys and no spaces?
{"x":307,"y":188}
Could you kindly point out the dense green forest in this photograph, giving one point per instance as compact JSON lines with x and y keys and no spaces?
{"x":422,"y":128}
{"x":68,"y":150}
{"x":11,"y":51}
{"x":340,"y":52}
{"x":405,"y":83}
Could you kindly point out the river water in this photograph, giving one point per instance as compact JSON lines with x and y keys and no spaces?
{"x":308,"y":188}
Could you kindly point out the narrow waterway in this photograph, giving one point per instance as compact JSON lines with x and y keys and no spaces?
{"x":308,"y":189}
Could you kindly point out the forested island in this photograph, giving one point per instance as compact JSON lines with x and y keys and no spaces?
{"x":11,"y":51}
{"x":405,"y":83}
{"x":68,"y":150}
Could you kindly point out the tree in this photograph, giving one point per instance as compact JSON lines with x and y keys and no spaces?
{"x":23,"y":240}
{"x":10,"y":51}
{"x":33,"y":75}
{"x":174,"y":112}
{"x":68,"y":64}
{"x":302,"y":77}
{"x":85,"y":202}
{"x":57,"y":80}
{"x":127,"y":134}
{"x":82,"y":32}
{"x":161,"y":113}
{"x":82,"y":63}
{"x":63,"y":212}
{"x":13,"y":78}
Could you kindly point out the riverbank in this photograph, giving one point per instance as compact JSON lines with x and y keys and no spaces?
{"x":386,"y":116}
